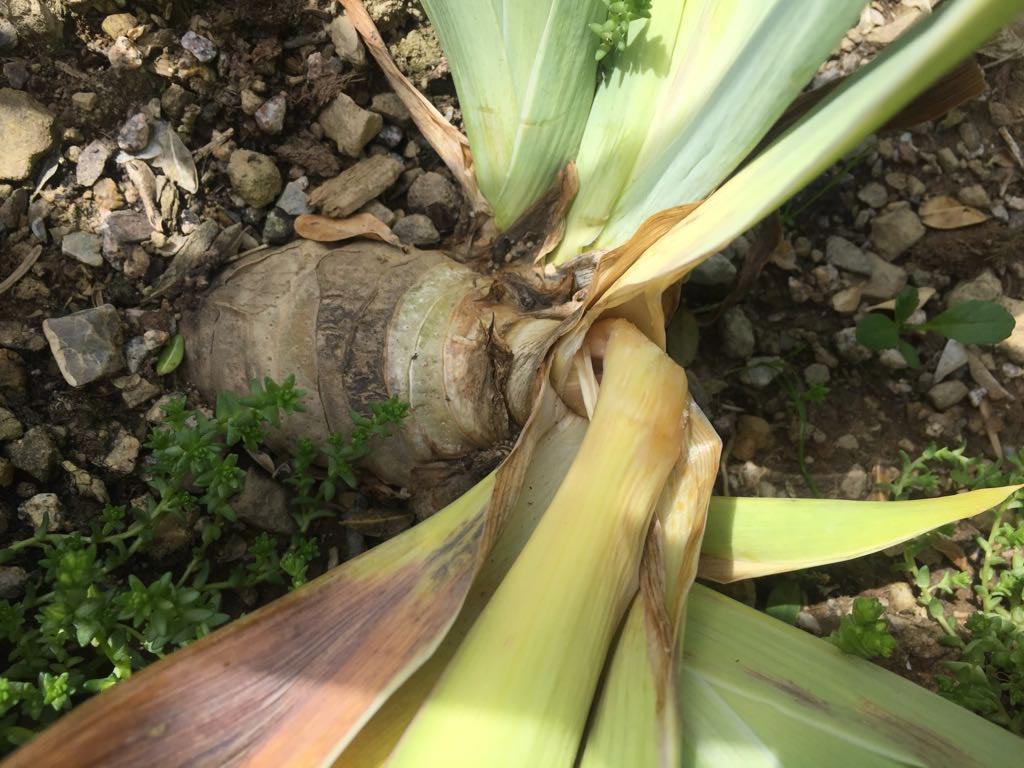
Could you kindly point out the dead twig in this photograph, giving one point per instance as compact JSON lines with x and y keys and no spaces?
{"x":26,"y":264}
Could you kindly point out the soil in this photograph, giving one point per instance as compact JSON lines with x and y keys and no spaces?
{"x":269,"y":47}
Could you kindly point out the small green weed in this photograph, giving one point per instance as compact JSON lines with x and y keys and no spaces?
{"x":988,"y":676}
{"x":864,"y":632}
{"x":613,"y":34}
{"x":801,"y":397}
{"x":969,"y":322}
{"x":90,"y":615}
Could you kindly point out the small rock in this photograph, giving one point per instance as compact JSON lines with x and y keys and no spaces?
{"x":134,"y":134}
{"x":970,"y":135}
{"x":1013,"y":347}
{"x":118,"y":25}
{"x":901,"y":598}
{"x":6,"y":478}
{"x":295,"y":200}
{"x":893,"y":359}
{"x":392,"y":108}
{"x":842,"y":253}
{"x":948,"y":160}
{"x":887,"y":280}
{"x":277,"y":228}
{"x":201,"y":47}
{"x":136,"y":263}
{"x":849,"y":348}
{"x":135,"y":353}
{"x":107,"y":196}
{"x":390,"y":136}
{"x":753,"y":437}
{"x":12,"y":372}
{"x":263,"y":504}
{"x":123,"y":54}
{"x":83,"y":247}
{"x":123,"y":454}
{"x":84,"y":101}
{"x":10,"y":427}
{"x":954,"y":357}
{"x":36,"y":454}
{"x":92,"y":161}
{"x":855,"y":484}
{"x":416,"y":229}
{"x":250,"y":101}
{"x":136,"y":390}
{"x":1001,"y":114}
{"x":43,"y":508}
{"x":157,"y":413}
{"x":432,"y":194}
{"x":873,"y":194}
{"x":379,"y":211}
{"x":27,"y":130}
{"x":974,"y":196}
{"x":350,"y":126}
{"x":357,"y":185}
{"x":86,"y":344}
{"x":915,"y":187}
{"x":14,"y":209}
{"x":270,"y":116}
{"x":175,"y":100}
{"x":123,"y":227}
{"x":8,"y":35}
{"x":984,"y":287}
{"x":346,"y":41}
{"x":894,"y":232}
{"x":761,"y":371}
{"x":817,"y":374}
{"x":947,"y":394}
{"x":84,"y":484}
{"x":846,"y":301}
{"x":716,"y":271}
{"x":17,"y":73}
{"x":848,"y":443}
{"x":254,"y":177}
{"x":737,"y":334}
{"x":12,"y":582}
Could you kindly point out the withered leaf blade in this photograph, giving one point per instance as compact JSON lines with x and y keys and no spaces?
{"x":945,"y":212}
{"x":324,"y":229}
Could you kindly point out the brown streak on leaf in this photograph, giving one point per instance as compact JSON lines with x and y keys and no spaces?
{"x":791,"y":689}
{"x":927,"y":744}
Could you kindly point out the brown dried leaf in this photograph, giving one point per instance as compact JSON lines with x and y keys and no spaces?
{"x":323,"y":229}
{"x":446,"y":139}
{"x":945,"y":212}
